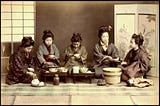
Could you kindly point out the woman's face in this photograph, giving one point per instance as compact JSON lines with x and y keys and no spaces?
{"x":28,"y":49}
{"x":48,"y":41}
{"x":105,"y":37}
{"x":133,"y":44}
{"x":76,"y":44}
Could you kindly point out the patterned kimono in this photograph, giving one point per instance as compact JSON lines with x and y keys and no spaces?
{"x":72,"y":61}
{"x":138,"y":62}
{"x":99,"y":54}
{"x":44,"y":52}
{"x":18,"y":64}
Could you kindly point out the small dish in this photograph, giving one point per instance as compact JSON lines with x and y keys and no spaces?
{"x":83,"y":70}
{"x":52,"y":69}
{"x":35,"y":82}
{"x":61,"y":69}
{"x":89,"y":72}
{"x":46,"y":71}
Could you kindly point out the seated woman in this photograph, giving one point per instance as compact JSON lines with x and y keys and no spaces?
{"x":136,"y":63}
{"x":105,"y":54}
{"x":21,"y":64}
{"x":75,"y":54}
{"x":48,"y":53}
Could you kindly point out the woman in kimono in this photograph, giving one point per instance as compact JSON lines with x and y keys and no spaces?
{"x":21,"y":64}
{"x":105,"y":54}
{"x":48,"y":53}
{"x":136,"y":63}
{"x":75,"y":54}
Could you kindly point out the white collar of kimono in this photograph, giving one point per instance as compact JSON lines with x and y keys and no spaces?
{"x":46,"y":51}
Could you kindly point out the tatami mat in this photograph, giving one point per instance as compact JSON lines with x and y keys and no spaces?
{"x":101,"y":100}
{"x":81,"y":93}
{"x":41,"y":100}
{"x":65,"y":89}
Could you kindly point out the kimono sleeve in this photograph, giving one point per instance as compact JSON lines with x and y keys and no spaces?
{"x":145,"y":62}
{"x":40,"y":55}
{"x":56,"y":51}
{"x":84,"y":54}
{"x":31,"y":63}
{"x":17,"y":66}
{"x":115,"y":52}
{"x":97,"y":54}
{"x":127,"y":57}
{"x":66,"y":54}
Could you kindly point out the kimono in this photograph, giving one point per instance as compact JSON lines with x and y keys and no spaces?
{"x":18,"y":64}
{"x":72,"y":61}
{"x":43,"y":54}
{"x":138,"y":62}
{"x":99,"y":54}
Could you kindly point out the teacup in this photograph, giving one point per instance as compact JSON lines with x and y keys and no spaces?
{"x":76,"y":69}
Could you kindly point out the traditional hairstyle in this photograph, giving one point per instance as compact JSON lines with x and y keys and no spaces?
{"x":103,"y":29}
{"x":138,"y":39}
{"x":76,"y":37}
{"x":46,"y":34}
{"x":27,"y":41}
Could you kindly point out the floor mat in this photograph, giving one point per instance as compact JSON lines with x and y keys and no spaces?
{"x":65,"y":89}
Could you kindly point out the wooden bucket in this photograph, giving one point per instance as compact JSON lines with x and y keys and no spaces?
{"x":112,"y":75}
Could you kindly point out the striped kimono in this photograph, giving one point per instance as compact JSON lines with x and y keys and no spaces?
{"x":43,"y":54}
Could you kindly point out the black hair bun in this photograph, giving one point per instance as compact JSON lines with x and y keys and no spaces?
{"x":47,"y":33}
{"x":107,"y":28}
{"x":76,"y":37}
{"x":27,"y":41}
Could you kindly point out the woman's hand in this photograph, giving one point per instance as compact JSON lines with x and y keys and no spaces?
{"x":70,"y":54}
{"x":116,"y":60}
{"x":52,"y":56}
{"x":33,"y":75}
{"x":30,"y":69}
{"x":124,"y":63}
{"x":50,"y":63}
{"x":108,"y":58}
{"x":105,"y":58}
{"x":77,"y":55}
{"x":30,"y":73}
